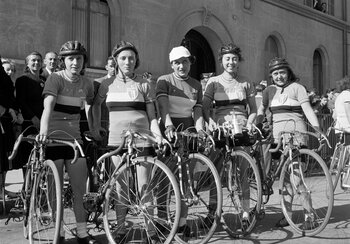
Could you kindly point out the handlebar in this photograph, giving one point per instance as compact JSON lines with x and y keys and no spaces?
{"x":128,"y":138}
{"x":293,"y":133}
{"x":31,"y":139}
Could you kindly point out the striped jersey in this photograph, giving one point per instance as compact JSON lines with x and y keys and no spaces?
{"x":183,"y":94}
{"x":70,"y":100}
{"x":285,"y":106}
{"x":126,"y":102}
{"x":228,"y":96}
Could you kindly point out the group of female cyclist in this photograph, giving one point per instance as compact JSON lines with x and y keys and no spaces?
{"x":131,"y":104}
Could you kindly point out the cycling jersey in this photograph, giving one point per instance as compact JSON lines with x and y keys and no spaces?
{"x":285,"y":106}
{"x":70,"y":100}
{"x":228,"y":96}
{"x":126,"y":102}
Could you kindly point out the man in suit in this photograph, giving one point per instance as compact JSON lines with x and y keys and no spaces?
{"x":51,"y":63}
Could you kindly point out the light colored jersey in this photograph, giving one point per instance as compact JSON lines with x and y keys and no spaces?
{"x":342,"y":121}
{"x":126,"y":102}
{"x":285,"y":105}
{"x":70,"y":100}
{"x":229,"y":96}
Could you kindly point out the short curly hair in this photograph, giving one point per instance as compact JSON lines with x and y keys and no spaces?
{"x":230,"y":48}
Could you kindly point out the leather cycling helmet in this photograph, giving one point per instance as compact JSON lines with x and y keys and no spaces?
{"x":124,"y":45}
{"x":278,"y":63}
{"x":230,"y":48}
{"x":73,"y":48}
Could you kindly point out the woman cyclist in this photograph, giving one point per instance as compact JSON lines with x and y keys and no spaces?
{"x":288,"y":101}
{"x":232,"y":94}
{"x":129,"y":99}
{"x":66,"y":93}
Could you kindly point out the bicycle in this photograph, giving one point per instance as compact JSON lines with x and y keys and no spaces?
{"x":305,"y":185}
{"x":241,"y":181}
{"x":41,"y":194}
{"x":97,"y":176}
{"x":121,"y":190}
{"x":340,"y":164}
{"x":197,"y":177}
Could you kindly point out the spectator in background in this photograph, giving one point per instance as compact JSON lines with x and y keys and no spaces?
{"x":29,"y":88}
{"x":10,"y":68}
{"x":204,"y":79}
{"x":51,"y":63}
{"x":331,"y":98}
{"x":322,"y":107}
{"x":324,"y":7}
{"x":317,"y":5}
{"x":7,"y":118}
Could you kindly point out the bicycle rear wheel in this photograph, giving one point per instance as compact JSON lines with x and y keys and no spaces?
{"x":203,"y":204}
{"x":142,"y":221}
{"x":335,"y":167}
{"x":45,"y":205}
{"x":243,"y":194}
{"x":306,"y":192}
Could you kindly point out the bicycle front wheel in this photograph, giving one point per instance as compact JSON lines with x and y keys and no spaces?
{"x":242,"y":195}
{"x":306,"y":192}
{"x":201,"y":198}
{"x":45,"y":205}
{"x":132,"y":211}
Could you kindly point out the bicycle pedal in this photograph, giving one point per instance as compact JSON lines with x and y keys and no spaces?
{"x":261,"y":214}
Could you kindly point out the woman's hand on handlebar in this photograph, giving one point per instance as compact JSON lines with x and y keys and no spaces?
{"x":170,"y":132}
{"x":212,"y":126}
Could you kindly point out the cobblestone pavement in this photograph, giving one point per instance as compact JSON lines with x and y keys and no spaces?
{"x":337,"y":231}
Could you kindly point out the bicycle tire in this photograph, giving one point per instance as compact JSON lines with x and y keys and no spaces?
{"x":233,"y":210}
{"x":45,"y":212}
{"x":139,"y":212}
{"x":26,"y":194}
{"x":336,"y":166}
{"x":318,"y":182}
{"x":202,"y":217}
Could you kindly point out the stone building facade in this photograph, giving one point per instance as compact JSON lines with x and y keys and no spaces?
{"x":313,"y":41}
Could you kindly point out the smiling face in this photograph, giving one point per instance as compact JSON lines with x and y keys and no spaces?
{"x":280,"y":76}
{"x":74,"y":64}
{"x":181,"y":67}
{"x":230,"y":62}
{"x":51,"y":61}
{"x":126,"y":61}
{"x":34,"y":63}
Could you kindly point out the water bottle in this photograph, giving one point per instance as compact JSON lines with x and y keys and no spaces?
{"x":237,"y":128}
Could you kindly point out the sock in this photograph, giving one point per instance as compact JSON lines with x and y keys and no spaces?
{"x":82,"y":230}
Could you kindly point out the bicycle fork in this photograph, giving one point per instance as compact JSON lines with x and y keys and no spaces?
{"x":189,"y":196}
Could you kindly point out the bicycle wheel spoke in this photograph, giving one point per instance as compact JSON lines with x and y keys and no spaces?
{"x":202,"y":200}
{"x":242,"y":196}
{"x":307,"y":193}
{"x":45,"y":206}
{"x":142,"y":209}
